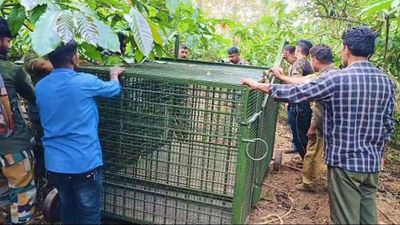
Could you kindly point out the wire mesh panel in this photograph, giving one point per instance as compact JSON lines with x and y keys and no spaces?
{"x":172,"y":144}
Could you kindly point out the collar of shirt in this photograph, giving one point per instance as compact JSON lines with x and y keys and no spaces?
{"x":358,"y":62}
{"x":64,"y":71}
{"x":326,"y":69}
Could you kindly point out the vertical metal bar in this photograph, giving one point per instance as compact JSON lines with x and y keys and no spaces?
{"x":239,"y":200}
{"x":176,"y":47}
{"x":228,"y":155}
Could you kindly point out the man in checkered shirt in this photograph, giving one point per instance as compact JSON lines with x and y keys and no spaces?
{"x":359,"y":103}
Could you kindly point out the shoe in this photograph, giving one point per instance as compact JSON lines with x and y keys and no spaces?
{"x":305,"y":188}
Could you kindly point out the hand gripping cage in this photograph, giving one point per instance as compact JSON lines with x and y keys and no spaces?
{"x":185,"y":143}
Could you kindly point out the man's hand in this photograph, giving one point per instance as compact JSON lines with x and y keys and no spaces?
{"x":115,"y":72}
{"x":250,"y":82}
{"x":277,"y":72}
{"x":311,"y":133}
{"x":256,"y":85}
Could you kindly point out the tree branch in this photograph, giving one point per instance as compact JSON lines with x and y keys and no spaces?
{"x":386,"y":40}
{"x":324,"y":6}
{"x":342,"y":19}
{"x":27,"y":27}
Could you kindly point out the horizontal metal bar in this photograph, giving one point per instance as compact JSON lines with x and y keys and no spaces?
{"x":176,"y":189}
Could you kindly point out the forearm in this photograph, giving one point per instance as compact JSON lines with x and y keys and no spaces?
{"x":294,"y":80}
{"x":264,"y":87}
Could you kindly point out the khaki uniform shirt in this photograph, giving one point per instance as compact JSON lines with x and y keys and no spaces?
{"x":317,"y":107}
{"x":300,"y":68}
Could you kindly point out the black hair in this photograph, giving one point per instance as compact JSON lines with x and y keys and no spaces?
{"x":359,"y":40}
{"x":4,"y":29}
{"x":182,"y":46}
{"x":233,"y":50}
{"x":305,"y":46}
{"x":63,"y":54}
{"x":290,"y":48}
{"x":322,"y":53}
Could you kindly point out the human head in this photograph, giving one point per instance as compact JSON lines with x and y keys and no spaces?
{"x":357,"y":42}
{"x":183,"y":52}
{"x":37,"y":67}
{"x":288,"y":54}
{"x":321,"y":56}
{"x":234,"y":56}
{"x":5,"y":37}
{"x":65,"y":55}
{"x":303,"y":48}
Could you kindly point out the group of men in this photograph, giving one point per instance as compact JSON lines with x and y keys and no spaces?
{"x":233,"y":55}
{"x":352,"y":117}
{"x":306,"y":119}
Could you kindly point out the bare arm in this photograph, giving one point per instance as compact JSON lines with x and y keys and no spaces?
{"x":279,"y":74}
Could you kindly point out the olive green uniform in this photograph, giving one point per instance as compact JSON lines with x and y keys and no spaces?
{"x":17,"y":185}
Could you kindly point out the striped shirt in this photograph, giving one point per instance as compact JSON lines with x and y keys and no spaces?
{"x":359,"y":104}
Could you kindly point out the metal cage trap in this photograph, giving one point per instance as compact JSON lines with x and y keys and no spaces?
{"x":185,"y":143}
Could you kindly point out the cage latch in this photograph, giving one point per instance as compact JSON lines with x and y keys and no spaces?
{"x":249,"y":141}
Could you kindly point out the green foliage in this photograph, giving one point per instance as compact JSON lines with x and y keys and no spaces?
{"x":147,"y":24}
{"x":16,"y":19}
{"x":172,"y":5}
{"x":141,"y":31}
{"x":45,"y":45}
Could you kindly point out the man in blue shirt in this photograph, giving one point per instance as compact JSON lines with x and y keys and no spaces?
{"x":359,"y":103}
{"x":69,"y":116}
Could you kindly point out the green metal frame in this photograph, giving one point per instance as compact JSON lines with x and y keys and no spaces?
{"x":176,"y":147}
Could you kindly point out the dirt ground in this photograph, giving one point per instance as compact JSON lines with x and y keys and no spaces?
{"x":279,"y":197}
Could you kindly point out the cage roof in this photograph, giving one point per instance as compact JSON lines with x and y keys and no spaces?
{"x":192,"y":71}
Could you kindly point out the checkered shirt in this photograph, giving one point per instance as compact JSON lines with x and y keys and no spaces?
{"x":359,"y":104}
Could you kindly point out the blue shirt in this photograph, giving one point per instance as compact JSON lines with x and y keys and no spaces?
{"x":69,"y":116}
{"x":359,"y":104}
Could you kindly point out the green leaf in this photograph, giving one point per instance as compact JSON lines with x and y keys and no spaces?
{"x":16,"y":19}
{"x":86,"y":10}
{"x":1,"y":2}
{"x":86,"y":28}
{"x":172,"y":5}
{"x":113,"y":61}
{"x":141,"y":31}
{"x":91,"y":52}
{"x":156,"y":35}
{"x":31,"y":4}
{"x":108,"y":39}
{"x":376,"y":7}
{"x":37,"y":12}
{"x":187,"y":2}
{"x":115,"y":3}
{"x":139,"y":56}
{"x":159,"y":51}
{"x":395,"y":4}
{"x":46,"y":25}
{"x":65,"y":26}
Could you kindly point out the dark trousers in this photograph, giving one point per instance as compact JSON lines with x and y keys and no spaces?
{"x":80,"y":196}
{"x":299,"y":119}
{"x":352,"y":196}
